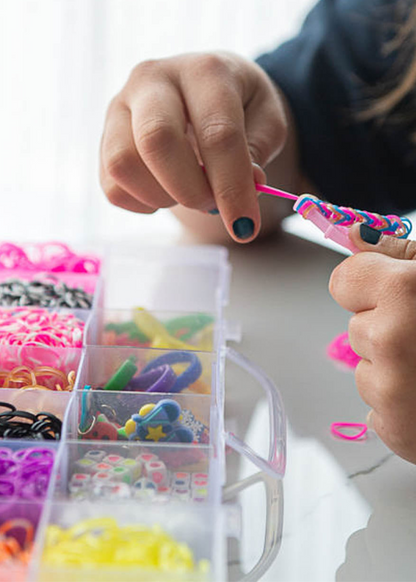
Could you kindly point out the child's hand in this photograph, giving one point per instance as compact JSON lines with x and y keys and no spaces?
{"x":379,"y":286}
{"x":174,"y":114}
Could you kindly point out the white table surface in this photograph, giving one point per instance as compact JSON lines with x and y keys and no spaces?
{"x":349,"y":507}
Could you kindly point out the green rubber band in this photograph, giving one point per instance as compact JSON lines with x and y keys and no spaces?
{"x":130,"y":328}
{"x":193,"y":323}
{"x":122,"y":377}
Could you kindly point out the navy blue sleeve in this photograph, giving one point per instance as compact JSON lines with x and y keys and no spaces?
{"x":337,"y":59}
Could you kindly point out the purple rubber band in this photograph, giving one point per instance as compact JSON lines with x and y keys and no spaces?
{"x":160,"y":379}
{"x":189,"y":376}
{"x":7,"y":487}
{"x":35,"y":453}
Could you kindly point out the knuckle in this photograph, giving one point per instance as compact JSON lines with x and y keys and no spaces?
{"x":387,"y":338}
{"x":118,"y":163}
{"x":387,"y":394}
{"x":115,"y":196}
{"x":155,"y":138}
{"x":218,"y":133}
{"x":225,"y":194}
{"x":363,"y":382}
{"x":145,"y":68}
{"x":264,"y":147}
{"x":405,"y":278}
{"x":409,"y":252}
{"x":354,"y":329}
{"x":211,"y":64}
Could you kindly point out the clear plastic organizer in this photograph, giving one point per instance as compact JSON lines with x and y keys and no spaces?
{"x":143,"y":445}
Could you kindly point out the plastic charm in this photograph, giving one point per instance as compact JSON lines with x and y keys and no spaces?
{"x":158,"y":422}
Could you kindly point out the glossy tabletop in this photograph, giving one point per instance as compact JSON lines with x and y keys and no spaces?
{"x":349,"y":506}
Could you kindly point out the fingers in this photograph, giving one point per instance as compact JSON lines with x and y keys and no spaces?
{"x":215,"y":107}
{"x":122,"y":169}
{"x":266,"y":125}
{"x":159,"y":125}
{"x":176,"y":114}
{"x":228,"y":137}
{"x":392,"y":415}
{"x":356,"y":283}
{"x":120,"y":198}
{"x":374,"y":241}
{"x":361,"y":334}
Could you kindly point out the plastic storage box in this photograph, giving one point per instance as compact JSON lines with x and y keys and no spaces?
{"x":175,"y":286}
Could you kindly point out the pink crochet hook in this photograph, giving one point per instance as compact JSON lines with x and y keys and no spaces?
{"x":275,"y":192}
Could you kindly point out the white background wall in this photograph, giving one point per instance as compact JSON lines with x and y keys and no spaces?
{"x":61,"y":61}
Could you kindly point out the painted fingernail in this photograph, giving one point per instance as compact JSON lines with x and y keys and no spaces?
{"x":369,"y":235}
{"x":243,"y":227}
{"x":214,"y":211}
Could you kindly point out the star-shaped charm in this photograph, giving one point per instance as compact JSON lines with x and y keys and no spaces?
{"x":155,"y":434}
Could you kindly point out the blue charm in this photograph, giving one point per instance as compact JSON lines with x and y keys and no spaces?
{"x":158,"y":422}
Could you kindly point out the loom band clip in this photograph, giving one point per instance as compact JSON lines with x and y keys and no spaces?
{"x":335,"y":426}
{"x":338,"y":234}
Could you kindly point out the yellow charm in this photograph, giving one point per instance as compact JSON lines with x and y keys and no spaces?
{"x":130,"y":427}
{"x":146,"y":409}
{"x":155,"y":434}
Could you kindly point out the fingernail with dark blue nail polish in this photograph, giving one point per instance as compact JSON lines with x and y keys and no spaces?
{"x":243,"y":227}
{"x":369,"y":235}
{"x":214,"y":211}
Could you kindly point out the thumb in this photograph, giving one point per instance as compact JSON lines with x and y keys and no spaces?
{"x":369,"y":239}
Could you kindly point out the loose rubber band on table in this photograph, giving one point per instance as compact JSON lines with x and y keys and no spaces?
{"x":349,"y":437}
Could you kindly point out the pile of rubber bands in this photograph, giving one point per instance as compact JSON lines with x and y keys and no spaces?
{"x":35,"y":338}
{"x":52,"y":257}
{"x":102,"y":542}
{"x":42,"y":377}
{"x":34,"y":327}
{"x":15,"y":554}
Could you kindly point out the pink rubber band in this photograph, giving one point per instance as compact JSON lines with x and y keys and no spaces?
{"x":340,"y":350}
{"x":49,"y":257}
{"x":335,"y":426}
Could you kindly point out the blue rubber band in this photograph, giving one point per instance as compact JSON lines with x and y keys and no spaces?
{"x":191,"y":374}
